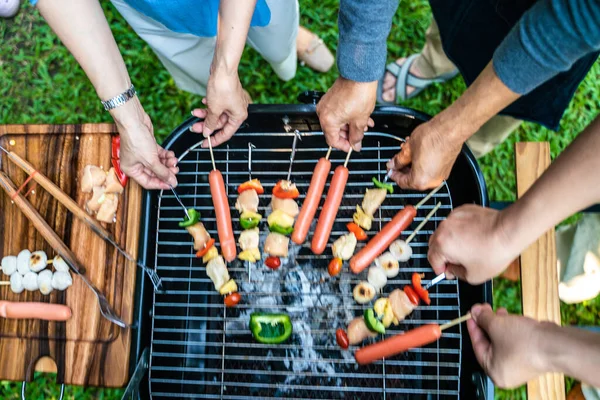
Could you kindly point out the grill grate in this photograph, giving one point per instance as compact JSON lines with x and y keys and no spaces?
{"x":200,"y":349}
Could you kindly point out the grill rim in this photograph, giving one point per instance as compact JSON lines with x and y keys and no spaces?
{"x":141,"y":337}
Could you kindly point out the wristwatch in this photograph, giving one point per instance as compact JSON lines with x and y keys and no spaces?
{"x":119,"y":100}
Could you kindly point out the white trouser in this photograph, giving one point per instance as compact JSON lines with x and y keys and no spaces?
{"x":188,"y":57}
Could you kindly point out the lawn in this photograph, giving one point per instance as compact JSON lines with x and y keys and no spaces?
{"x":41,"y":83}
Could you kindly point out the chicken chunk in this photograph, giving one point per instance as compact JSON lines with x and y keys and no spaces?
{"x":288,"y":206}
{"x":247,"y":201}
{"x":344,"y":247}
{"x":249,"y":239}
{"x":358,"y":331}
{"x":373,"y":200}
{"x":401,"y":304}
{"x":217,"y":272}
{"x":112,"y":182}
{"x":108,"y":208}
{"x":277,"y":245}
{"x":200,"y":235}
{"x":92,"y":176}
{"x":93,"y":205}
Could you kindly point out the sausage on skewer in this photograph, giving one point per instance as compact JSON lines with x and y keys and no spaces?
{"x":223,"y":215}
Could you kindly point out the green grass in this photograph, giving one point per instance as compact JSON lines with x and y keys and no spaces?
{"x":41,"y":83}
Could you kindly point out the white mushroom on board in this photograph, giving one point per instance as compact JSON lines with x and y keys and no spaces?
{"x":9,"y":265}
{"x":44,"y":282}
{"x":16,"y":283}
{"x":23,"y":262}
{"x":30,"y":281}
{"x":59,"y":264}
{"x":38,"y":261}
{"x":61,"y":280}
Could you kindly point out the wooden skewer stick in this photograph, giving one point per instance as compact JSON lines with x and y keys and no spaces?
{"x":212,"y":156}
{"x":328,"y":153}
{"x":348,"y":157}
{"x":434,"y":191}
{"x":5,"y":283}
{"x":456,"y":321}
{"x":422,"y":224}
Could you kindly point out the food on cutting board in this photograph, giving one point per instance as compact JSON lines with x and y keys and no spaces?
{"x":28,"y":271}
{"x":270,"y":328}
{"x":105,"y":188}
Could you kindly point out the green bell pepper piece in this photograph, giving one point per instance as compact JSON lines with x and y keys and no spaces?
{"x":270,"y":328}
{"x":280,"y":229}
{"x":387,"y":186}
{"x":372,"y":322}
{"x":249,"y":223}
{"x":194,"y":218}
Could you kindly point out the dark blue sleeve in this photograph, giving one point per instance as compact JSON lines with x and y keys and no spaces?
{"x":364,"y":27}
{"x":550,"y":37}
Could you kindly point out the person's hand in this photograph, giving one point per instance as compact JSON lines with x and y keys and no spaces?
{"x":471,"y":244}
{"x":426,"y":158}
{"x":345,"y":111}
{"x":227,"y":107}
{"x":506,"y":346}
{"x":142,"y":158}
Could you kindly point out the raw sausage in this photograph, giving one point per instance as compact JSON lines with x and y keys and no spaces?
{"x":330,"y":209}
{"x":45,"y":311}
{"x":383,"y":239}
{"x":223,"y":215}
{"x":312,"y":200}
{"x":399,"y":343}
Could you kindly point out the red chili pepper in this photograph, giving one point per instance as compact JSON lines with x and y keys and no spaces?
{"x":357,"y":230}
{"x":335,"y":266}
{"x":422,"y":293}
{"x":342,"y":338}
{"x":116,"y":159}
{"x":209,"y":244}
{"x":232,"y":299}
{"x":412,"y":296}
{"x":273,"y":262}
{"x":252,"y":184}
{"x":280,"y":192}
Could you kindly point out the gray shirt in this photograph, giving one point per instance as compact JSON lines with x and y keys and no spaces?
{"x":548,"y":39}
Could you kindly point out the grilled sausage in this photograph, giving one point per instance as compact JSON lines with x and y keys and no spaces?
{"x":44,"y":311}
{"x":312,"y":200}
{"x":330,"y":209}
{"x":223,"y":215}
{"x":399,"y":343}
{"x":380,"y":242}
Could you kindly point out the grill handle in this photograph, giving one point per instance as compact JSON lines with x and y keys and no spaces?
{"x":310,"y":97}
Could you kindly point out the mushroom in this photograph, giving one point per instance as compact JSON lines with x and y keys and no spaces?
{"x":60,"y":265}
{"x":388,"y":262}
{"x":377,"y":277}
{"x":364,"y":292}
{"x":16,"y":283}
{"x":23,"y":262}
{"x":61,"y":280}
{"x":44,"y":282}
{"x":30,"y":281}
{"x":9,"y":265}
{"x":38,"y":261}
{"x":401,"y":250}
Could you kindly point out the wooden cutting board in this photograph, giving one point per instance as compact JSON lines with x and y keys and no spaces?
{"x":87,"y":349}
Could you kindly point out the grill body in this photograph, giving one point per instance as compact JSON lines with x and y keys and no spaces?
{"x":200,"y":349}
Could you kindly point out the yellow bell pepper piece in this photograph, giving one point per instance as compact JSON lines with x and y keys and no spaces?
{"x":212,"y":253}
{"x":251,"y":255}
{"x":229,"y":287}
{"x":280,"y":218}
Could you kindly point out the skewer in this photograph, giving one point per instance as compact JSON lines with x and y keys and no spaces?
{"x":180,"y":202}
{"x":5,"y":283}
{"x":293,"y":154}
{"x":387,"y":176}
{"x":250,"y":147}
{"x":348,"y":157}
{"x":434,"y":191}
{"x":78,"y":212}
{"x":328,"y":153}
{"x":212,"y":156}
{"x":425,"y":220}
{"x":435,"y":281}
{"x":456,"y":321}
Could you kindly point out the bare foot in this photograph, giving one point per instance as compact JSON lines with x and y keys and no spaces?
{"x":303,"y":39}
{"x":312,"y":51}
{"x":389,"y":82}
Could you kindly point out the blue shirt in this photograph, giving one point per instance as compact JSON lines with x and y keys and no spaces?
{"x":196,"y":17}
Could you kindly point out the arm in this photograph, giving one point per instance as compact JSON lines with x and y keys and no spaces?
{"x":345,"y":110}
{"x":499,"y":237}
{"x":83,"y":29}
{"x":226,"y":101}
{"x":514,"y":349}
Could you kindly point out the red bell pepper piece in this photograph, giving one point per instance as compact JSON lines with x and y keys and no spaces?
{"x":202,"y":252}
{"x":116,"y":159}
{"x":285,"y":193}
{"x":252,"y":184}
{"x":357,"y":230}
{"x":412,"y":296}
{"x":421,"y":292}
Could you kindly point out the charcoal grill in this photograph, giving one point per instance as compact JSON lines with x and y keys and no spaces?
{"x":200,"y":349}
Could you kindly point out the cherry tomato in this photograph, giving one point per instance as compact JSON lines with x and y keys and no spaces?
{"x":357,"y":230}
{"x":342,"y":338}
{"x":335,"y":266}
{"x":231,"y":300}
{"x":273,"y":262}
{"x":412,"y":296}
